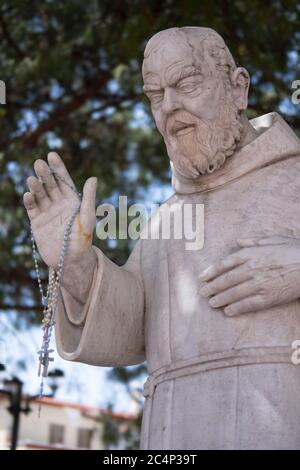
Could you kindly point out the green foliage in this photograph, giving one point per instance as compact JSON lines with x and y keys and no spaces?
{"x":118,"y":431}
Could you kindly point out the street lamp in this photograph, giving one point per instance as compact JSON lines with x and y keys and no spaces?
{"x":13,"y":390}
{"x":54,"y":378}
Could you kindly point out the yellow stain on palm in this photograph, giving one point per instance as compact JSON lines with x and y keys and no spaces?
{"x":86,"y":236}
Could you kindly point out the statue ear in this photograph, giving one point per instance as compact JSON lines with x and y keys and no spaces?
{"x":240,"y":81}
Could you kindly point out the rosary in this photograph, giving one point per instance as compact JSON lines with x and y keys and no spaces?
{"x":50,"y":300}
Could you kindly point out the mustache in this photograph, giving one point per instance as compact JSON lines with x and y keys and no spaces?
{"x":179,"y":121}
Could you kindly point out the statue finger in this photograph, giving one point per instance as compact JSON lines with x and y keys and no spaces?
{"x":38,"y":190}
{"x":30,"y":205}
{"x":234,"y":294}
{"x":222,"y":266}
{"x":45,"y":176}
{"x":88,"y":209}
{"x":248,"y":242}
{"x":229,"y":279}
{"x":247,"y":305}
{"x":264,"y":241}
{"x":57,"y":165}
{"x":278,"y":240}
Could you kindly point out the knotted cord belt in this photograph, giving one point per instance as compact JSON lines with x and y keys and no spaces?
{"x":218,"y":360}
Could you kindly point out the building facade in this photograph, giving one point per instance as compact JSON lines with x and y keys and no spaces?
{"x":61,"y":426}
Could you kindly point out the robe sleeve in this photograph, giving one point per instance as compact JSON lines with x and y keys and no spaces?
{"x":108,"y":330}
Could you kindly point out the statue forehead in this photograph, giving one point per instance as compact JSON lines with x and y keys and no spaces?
{"x":172,"y":49}
{"x":166,"y":60}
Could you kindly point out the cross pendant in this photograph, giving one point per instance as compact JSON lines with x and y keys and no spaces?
{"x":44,"y":359}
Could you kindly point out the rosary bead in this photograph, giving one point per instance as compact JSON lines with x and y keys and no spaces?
{"x":49,"y":301}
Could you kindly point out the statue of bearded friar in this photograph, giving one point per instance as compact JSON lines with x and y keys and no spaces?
{"x":215,"y":325}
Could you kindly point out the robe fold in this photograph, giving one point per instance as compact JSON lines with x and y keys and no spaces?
{"x":215,"y":382}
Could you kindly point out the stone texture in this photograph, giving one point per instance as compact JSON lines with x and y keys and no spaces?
{"x":219,"y":377}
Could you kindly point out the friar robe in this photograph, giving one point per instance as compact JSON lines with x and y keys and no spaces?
{"x":215,"y":382}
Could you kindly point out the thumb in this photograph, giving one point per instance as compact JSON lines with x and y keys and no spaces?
{"x":87,"y":210}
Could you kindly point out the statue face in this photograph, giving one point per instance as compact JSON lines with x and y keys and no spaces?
{"x":192,"y":108}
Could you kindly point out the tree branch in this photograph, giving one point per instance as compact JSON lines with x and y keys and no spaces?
{"x":77,"y":101}
{"x":26,"y":308}
{"x":9,"y":39}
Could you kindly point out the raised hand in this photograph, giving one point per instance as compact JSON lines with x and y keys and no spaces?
{"x":264,"y":273}
{"x":50,"y":205}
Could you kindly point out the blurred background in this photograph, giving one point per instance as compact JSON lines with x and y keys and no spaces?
{"x":72,"y":72}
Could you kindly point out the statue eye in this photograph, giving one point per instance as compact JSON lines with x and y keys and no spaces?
{"x":187,"y":87}
{"x":156,"y":98}
{"x":189,"y":84}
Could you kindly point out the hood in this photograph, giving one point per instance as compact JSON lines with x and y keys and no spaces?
{"x":276,"y":141}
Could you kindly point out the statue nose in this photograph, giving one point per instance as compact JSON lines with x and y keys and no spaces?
{"x":170,"y":101}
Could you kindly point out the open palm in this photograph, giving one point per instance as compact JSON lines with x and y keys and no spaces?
{"x":50,"y":205}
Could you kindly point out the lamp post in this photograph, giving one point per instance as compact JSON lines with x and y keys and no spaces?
{"x":13,"y":390}
{"x":54,"y":378}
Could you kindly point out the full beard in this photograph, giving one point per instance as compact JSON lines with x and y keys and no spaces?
{"x":206,"y":148}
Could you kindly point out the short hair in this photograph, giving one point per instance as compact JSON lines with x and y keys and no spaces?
{"x":206,"y":44}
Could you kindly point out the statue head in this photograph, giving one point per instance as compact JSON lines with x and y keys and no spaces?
{"x":198,"y":96}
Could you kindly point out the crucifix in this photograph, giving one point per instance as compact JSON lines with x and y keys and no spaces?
{"x":44,"y":360}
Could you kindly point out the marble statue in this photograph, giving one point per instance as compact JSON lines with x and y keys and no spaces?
{"x":214,"y":325}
